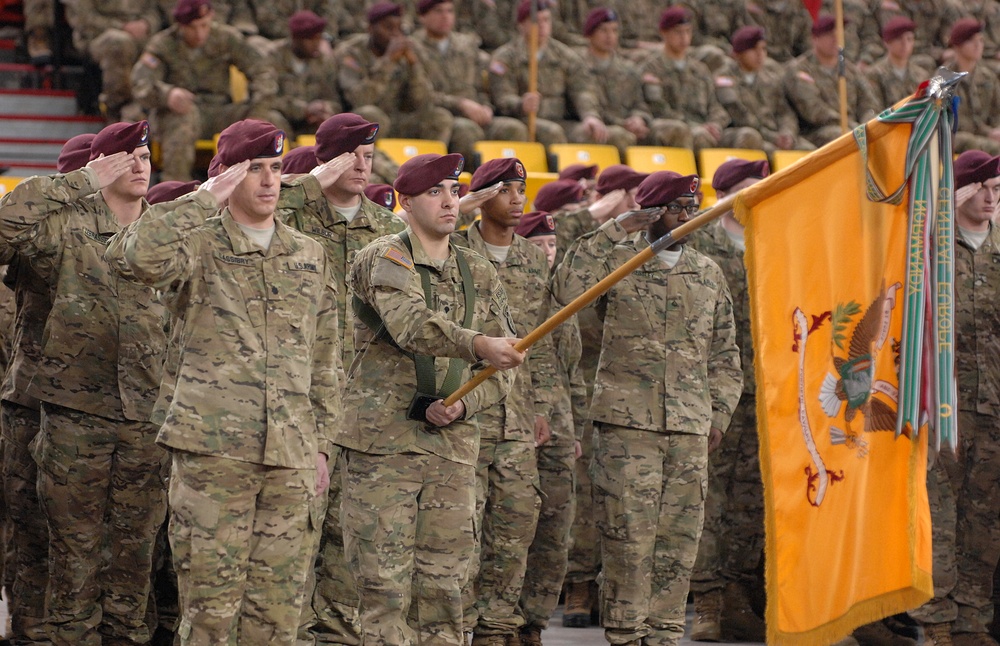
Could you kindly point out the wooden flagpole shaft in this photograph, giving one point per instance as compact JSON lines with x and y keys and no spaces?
{"x":533,"y":69}
{"x":592,"y":294}
{"x":841,"y":66}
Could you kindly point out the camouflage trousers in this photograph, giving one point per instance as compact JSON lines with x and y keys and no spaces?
{"x":977,"y":531}
{"x":428,"y":122}
{"x":408,"y":536}
{"x":585,"y":539}
{"x":26,"y":569}
{"x":941,"y":498}
{"x":732,"y":541}
{"x":101,"y":487}
{"x":650,"y":490}
{"x":238,"y":535}
{"x":115,"y":51}
{"x":546,"y":132}
{"x":507,"y":504}
{"x":548,"y":555}
{"x":332,"y":606}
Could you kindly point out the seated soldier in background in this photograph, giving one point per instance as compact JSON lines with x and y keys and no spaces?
{"x":183,"y":79}
{"x":979,"y":93}
{"x":895,"y":76}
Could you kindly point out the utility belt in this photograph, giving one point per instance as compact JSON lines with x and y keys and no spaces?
{"x":424,"y":364}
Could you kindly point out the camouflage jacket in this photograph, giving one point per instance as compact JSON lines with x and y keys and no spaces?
{"x":686,"y":93}
{"x":301,"y":82}
{"x":494,"y":21}
{"x":618,"y":87}
{"x":669,"y":360}
{"x":456,"y":73}
{"x":787,"y":24}
{"x":756,"y":101}
{"x":888,"y":87}
{"x":569,"y":410}
{"x":934,"y":19}
{"x":255,"y":376}
{"x":32,"y":305}
{"x":303,"y":206}
{"x":382,"y":379}
{"x":91,"y":18}
{"x":977,"y":324}
{"x":712,"y":21}
{"x":367,"y":79}
{"x":271,"y":16}
{"x":167,"y":63}
{"x":524,"y":275}
{"x":813,"y":94}
{"x":104,"y":340}
{"x":979,"y":95}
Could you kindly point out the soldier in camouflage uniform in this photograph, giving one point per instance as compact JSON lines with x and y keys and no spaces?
{"x":732,"y":542}
{"x":183,"y":79}
{"x":895,"y":76}
{"x":383,"y":79}
{"x":712,"y":23}
{"x":409,"y":461}
{"x":565,"y":102}
{"x":270,"y":18}
{"x":113,"y":33}
{"x":454,"y":65}
{"x":549,"y":551}
{"x":100,"y":474}
{"x":752,"y":94}
{"x":977,"y":323}
{"x":493,"y":21}
{"x":668,"y":381}
{"x":979,"y":93}
{"x":331,"y":207}
{"x":811,"y":86}
{"x":786,"y":24}
{"x":680,"y":91}
{"x":862,"y":45}
{"x":617,"y":83}
{"x":507,"y":499}
{"x":934,"y":19}
{"x":307,"y":76}
{"x":987,"y":12}
{"x":251,"y":397}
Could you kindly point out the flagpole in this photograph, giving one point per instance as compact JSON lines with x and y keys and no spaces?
{"x":592,"y":294}
{"x":841,"y":65}
{"x":533,"y":66}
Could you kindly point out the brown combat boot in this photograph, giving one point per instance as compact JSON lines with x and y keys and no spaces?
{"x":578,"y":604}
{"x":878,"y":634}
{"x":531,"y":636}
{"x":513,"y":639}
{"x":739,"y":622}
{"x":937,"y":634}
{"x":489,"y":640}
{"x":707,"y":624}
{"x":973,"y":639}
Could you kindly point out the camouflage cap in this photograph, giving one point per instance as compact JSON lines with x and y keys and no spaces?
{"x":75,"y":153}
{"x":673,"y":16}
{"x":555,"y":195}
{"x":300,"y":160}
{"x":617,"y":177}
{"x":578,"y":172}
{"x":381,"y":194}
{"x":120,"y":138}
{"x":665,"y":186}
{"x":598,"y":17}
{"x":170,"y":190}
{"x":963,"y":30}
{"x":305,"y":24}
{"x":974,"y":166}
{"x":504,"y":169}
{"x":381,"y":10}
{"x":187,"y":11}
{"x":343,"y":133}
{"x":896,"y":27}
{"x":250,"y":139}
{"x":536,"y":223}
{"x":734,"y":171}
{"x":524,"y":8}
{"x":422,"y":172}
{"x":746,"y":38}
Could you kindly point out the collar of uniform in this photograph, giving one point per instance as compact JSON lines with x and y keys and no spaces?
{"x":282,"y":243}
{"x":683,"y":264}
{"x":334,"y":218}
{"x":420,"y":256}
{"x":515,"y":256}
{"x":107,"y":223}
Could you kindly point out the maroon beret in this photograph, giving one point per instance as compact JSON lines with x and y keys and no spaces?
{"x":598,"y":17}
{"x":524,"y":8}
{"x":665,"y":186}
{"x":963,"y":30}
{"x":426,"y":5}
{"x":746,"y":37}
{"x":578,"y":172}
{"x":214,"y":166}
{"x":503,"y":169}
{"x":250,"y":139}
{"x":975,"y":166}
{"x":824,"y":24}
{"x":75,"y":153}
{"x":381,"y":10}
{"x":673,"y":16}
{"x":305,"y":24}
{"x":120,"y":138}
{"x":555,"y":195}
{"x":619,"y":176}
{"x":734,"y":171}
{"x":381,"y":194}
{"x":896,"y":27}
{"x":417,"y":174}
{"x":300,"y":160}
{"x":536,"y":223}
{"x":170,"y":190}
{"x":343,"y":133}
{"x":187,"y":11}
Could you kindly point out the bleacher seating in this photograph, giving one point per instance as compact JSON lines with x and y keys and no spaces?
{"x":568,"y":154}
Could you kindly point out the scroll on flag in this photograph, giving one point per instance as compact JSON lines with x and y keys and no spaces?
{"x":848,"y":257}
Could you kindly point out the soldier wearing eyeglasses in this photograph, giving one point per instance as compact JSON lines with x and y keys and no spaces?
{"x":656,"y":411}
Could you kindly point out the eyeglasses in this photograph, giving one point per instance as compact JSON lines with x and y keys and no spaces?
{"x":674,"y":208}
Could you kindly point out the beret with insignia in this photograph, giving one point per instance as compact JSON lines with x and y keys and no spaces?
{"x":423,"y":172}
{"x":665,"y":186}
{"x":381,"y":194}
{"x":734,"y":171}
{"x":596,"y":18}
{"x":536,"y":223}
{"x":250,"y":139}
{"x":975,"y":166}
{"x":504,"y":169}
{"x":343,"y":133}
{"x":120,"y":138}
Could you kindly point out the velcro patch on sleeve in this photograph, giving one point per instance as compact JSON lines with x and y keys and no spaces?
{"x":498,"y":68}
{"x":806,"y":77}
{"x":397,"y":256}
{"x":150,"y":61}
{"x":723,"y":81}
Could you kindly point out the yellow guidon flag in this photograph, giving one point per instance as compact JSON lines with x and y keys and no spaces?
{"x":833,"y":277}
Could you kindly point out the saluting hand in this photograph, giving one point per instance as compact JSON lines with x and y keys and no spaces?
{"x":222,"y":185}
{"x":602,"y":208}
{"x":110,"y":167}
{"x":475,"y":199}
{"x":633,"y":221}
{"x":499,"y":351}
{"x":963,"y":194}
{"x":329,"y":172}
